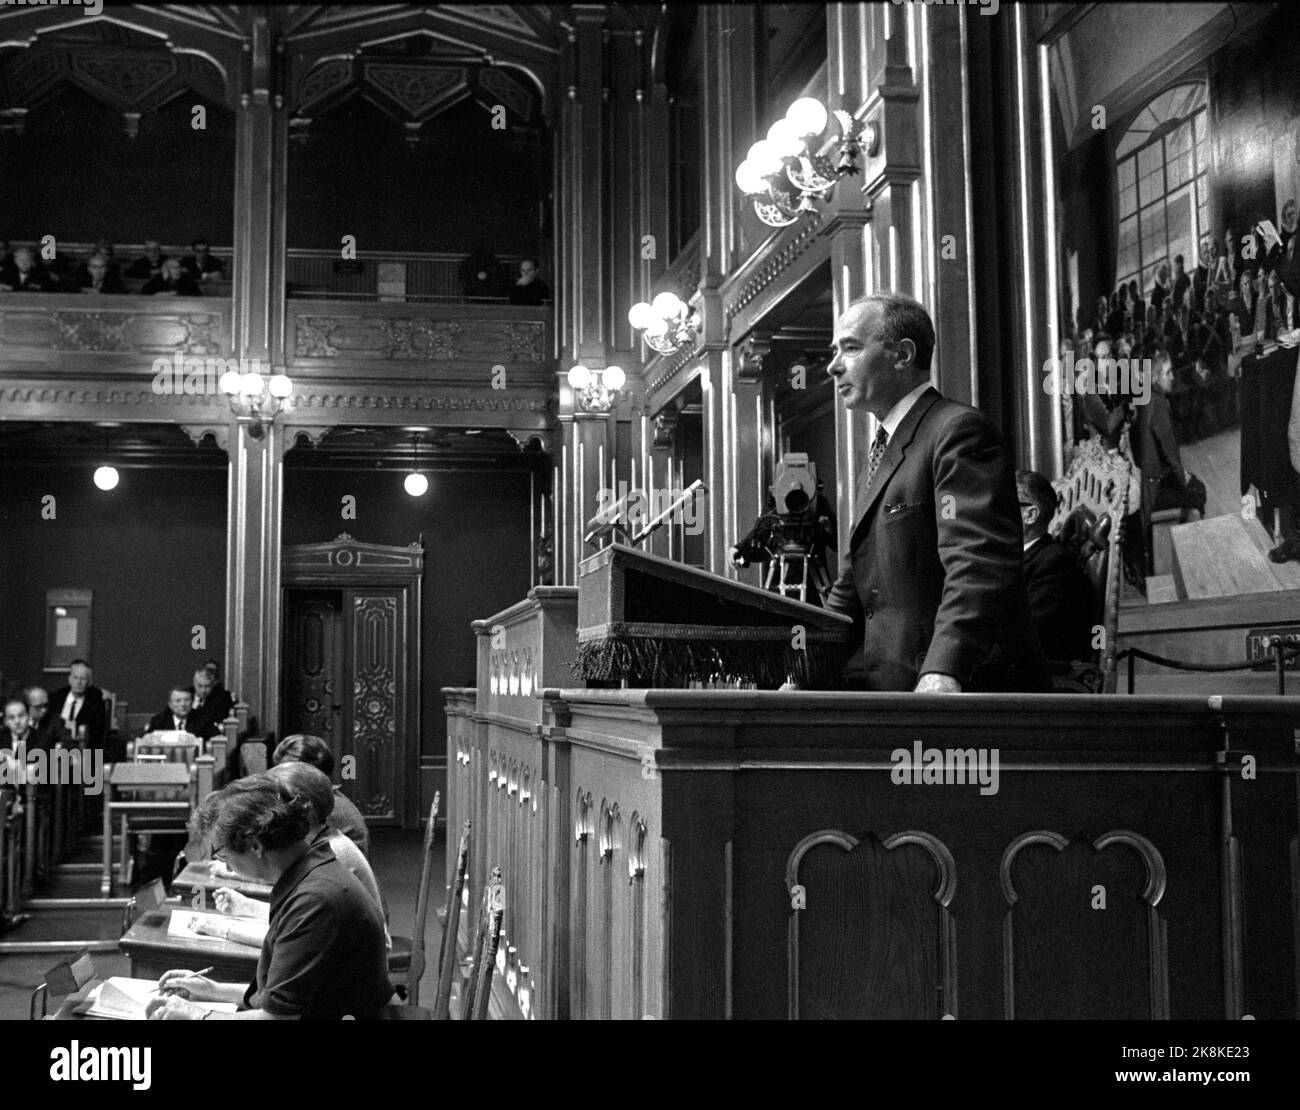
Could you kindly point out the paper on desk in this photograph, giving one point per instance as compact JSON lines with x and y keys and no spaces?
{"x":183,"y":921}
{"x":126,"y":999}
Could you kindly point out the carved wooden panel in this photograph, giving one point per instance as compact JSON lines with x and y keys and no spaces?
{"x":871,"y":935}
{"x":1082,"y":936}
{"x":418,"y":338}
{"x":311,"y":669}
{"x":377,"y":701}
{"x":36,"y":323}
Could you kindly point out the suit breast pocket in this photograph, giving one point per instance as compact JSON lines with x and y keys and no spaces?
{"x":892,"y":514}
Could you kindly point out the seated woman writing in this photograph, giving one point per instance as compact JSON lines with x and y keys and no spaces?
{"x":306,"y":782}
{"x":324,"y":956}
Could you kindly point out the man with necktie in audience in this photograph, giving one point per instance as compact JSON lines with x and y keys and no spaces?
{"x":176,"y":717}
{"x":96,"y":276}
{"x":1061,"y":601}
{"x":81,"y":705}
{"x":51,"y":726}
{"x":18,"y":734}
{"x":933,"y":575}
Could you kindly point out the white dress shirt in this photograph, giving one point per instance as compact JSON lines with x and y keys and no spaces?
{"x":894,"y":417}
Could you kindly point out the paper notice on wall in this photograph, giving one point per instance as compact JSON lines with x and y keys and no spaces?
{"x":65,"y":632}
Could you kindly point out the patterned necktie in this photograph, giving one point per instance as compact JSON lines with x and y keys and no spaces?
{"x":877,"y":451}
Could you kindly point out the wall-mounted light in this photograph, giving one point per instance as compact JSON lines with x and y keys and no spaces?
{"x":783,"y":173}
{"x":594,"y":390}
{"x":255,"y":400}
{"x":666,"y":324}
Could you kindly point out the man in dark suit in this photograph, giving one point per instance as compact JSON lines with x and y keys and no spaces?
{"x":81,"y":704}
{"x":1061,"y":602}
{"x":50,"y":725}
{"x":211,"y":706}
{"x":176,"y":717}
{"x":932,"y":577}
{"x":26,"y":275}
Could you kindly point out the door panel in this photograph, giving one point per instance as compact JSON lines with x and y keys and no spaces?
{"x":314,"y":676}
{"x":378,"y":645}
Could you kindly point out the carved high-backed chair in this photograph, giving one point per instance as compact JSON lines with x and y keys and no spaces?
{"x":1089,"y":521}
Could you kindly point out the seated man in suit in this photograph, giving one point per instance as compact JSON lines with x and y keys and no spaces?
{"x":200,"y":265}
{"x":52,"y":728}
{"x":1061,"y":602}
{"x":346,"y":817}
{"x":150,"y":266}
{"x":528,"y":288}
{"x":933,"y":575}
{"x":81,"y":705}
{"x":171,"y":282}
{"x":176,"y":717}
{"x":210,"y":709}
{"x":25,"y":275}
{"x":18,"y":734}
{"x":96,"y":276}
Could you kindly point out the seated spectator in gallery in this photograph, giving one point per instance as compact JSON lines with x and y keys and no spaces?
{"x":483,"y":275}
{"x":210,"y":708}
{"x":1098,"y":323}
{"x":1115,"y":317}
{"x":346,"y":817}
{"x":1104,"y":409}
{"x":81,"y":705}
{"x":17,"y":727}
{"x":172,"y":282}
{"x":201,"y":265}
{"x":528,"y":288}
{"x":51,"y":726}
{"x":176,"y":717}
{"x":26,"y":275}
{"x":1161,"y":287}
{"x":1061,"y":601}
{"x":96,"y":276}
{"x":150,"y":266}
{"x":1139,"y":305}
{"x":1206,"y":266}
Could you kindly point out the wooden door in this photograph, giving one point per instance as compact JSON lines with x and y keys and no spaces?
{"x":377,"y":681}
{"x":316,"y":679}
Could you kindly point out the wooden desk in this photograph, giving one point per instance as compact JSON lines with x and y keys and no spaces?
{"x":196,"y":876}
{"x":153,"y":950}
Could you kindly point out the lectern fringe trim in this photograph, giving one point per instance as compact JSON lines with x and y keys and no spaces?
{"x":668,"y":662}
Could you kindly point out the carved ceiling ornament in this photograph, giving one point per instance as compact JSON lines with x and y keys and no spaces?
{"x":502,"y":16}
{"x":417,"y":91}
{"x":501,"y":88}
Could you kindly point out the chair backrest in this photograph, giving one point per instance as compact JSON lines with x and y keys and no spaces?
{"x":1097,"y":480}
{"x":422,"y":906}
{"x":451,"y":928}
{"x":185,"y":748}
{"x":487,"y":937}
{"x":65,"y":977}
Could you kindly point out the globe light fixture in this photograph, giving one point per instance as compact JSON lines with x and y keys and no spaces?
{"x":417,"y":485}
{"x":666,"y":324}
{"x":594,"y":390}
{"x":784,"y":173}
{"x":255,"y":400}
{"x":106,"y":477}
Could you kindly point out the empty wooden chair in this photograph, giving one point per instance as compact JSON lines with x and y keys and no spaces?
{"x":406,"y":958}
{"x":447,"y":959}
{"x":487,"y":937}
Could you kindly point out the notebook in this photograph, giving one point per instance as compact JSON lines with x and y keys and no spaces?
{"x":183,"y":921}
{"x":125,"y":999}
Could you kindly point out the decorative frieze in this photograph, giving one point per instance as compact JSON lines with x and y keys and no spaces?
{"x":425,"y":339}
{"x":154,"y":328}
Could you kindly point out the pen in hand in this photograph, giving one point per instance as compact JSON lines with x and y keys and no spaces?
{"x":181,"y":990}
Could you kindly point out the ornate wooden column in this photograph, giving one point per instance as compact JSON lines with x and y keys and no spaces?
{"x":256,"y":454}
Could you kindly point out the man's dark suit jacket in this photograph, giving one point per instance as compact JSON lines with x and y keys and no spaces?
{"x":214,"y":710}
{"x":93,"y":713}
{"x":1060,"y":601}
{"x":166,"y":722}
{"x":937,"y":585}
{"x":39,"y":279}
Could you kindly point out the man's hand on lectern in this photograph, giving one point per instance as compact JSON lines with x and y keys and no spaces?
{"x":934,"y":683}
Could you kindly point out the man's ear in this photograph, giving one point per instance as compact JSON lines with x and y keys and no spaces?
{"x":906,"y":353}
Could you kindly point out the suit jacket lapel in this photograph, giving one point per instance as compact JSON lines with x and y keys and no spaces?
{"x":865,"y":499}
